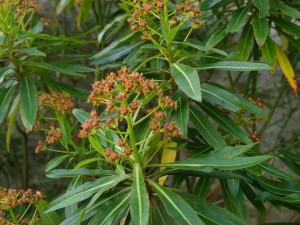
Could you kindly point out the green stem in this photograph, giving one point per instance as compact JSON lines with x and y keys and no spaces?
{"x":14,"y":218}
{"x":132,"y":139}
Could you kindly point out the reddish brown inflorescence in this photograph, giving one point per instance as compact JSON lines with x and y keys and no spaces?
{"x":56,"y":100}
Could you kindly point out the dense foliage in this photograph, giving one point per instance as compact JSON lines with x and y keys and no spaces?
{"x":153,"y":136}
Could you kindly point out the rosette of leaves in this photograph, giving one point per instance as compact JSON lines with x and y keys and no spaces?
{"x":127,"y":151}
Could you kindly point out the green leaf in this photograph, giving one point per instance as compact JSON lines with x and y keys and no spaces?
{"x":263,"y":6}
{"x":61,"y":173}
{"x":50,"y":218}
{"x":172,"y":33}
{"x":139,"y":205}
{"x":214,"y":162}
{"x":202,"y":187}
{"x":55,"y":162}
{"x":269,"y":54}
{"x":5,"y":99}
{"x":28,"y":102}
{"x":206,"y":129}
{"x":85,"y":191}
{"x":276,"y":172}
{"x":2,"y":38}
{"x":253,"y":108}
{"x":97,"y":145}
{"x":71,"y":209}
{"x":221,"y":97}
{"x":12,"y":116}
{"x":85,"y":162}
{"x":237,"y":19}
{"x":225,"y":122}
{"x":285,"y":9}
{"x":56,"y":68}
{"x":261,"y":29}
{"x":245,"y":43}
{"x":276,"y":187}
{"x":4,"y":72}
{"x":234,"y":204}
{"x":181,"y":114}
{"x":86,"y":212}
{"x":114,"y":54}
{"x":176,"y":207}
{"x":81,"y":115}
{"x":187,"y":80}
{"x":65,"y":128}
{"x":251,"y":196}
{"x":109,"y":25}
{"x":74,"y":91}
{"x":233,"y":151}
{"x":267,"y":196}
{"x":108,"y":214}
{"x":287,"y":26}
{"x":236,"y":66}
{"x":62,"y":4}
{"x":211,"y":214}
{"x":217,"y":36}
{"x":32,"y":52}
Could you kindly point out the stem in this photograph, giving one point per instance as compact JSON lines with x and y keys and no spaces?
{"x":132,"y":138}
{"x":14,"y":218}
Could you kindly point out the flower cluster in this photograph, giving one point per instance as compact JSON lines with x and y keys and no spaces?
{"x":172,"y":130}
{"x":58,"y":101}
{"x":39,"y":147}
{"x":141,"y":18}
{"x":89,"y":125}
{"x":31,"y":4}
{"x":190,"y":10}
{"x":53,"y":135}
{"x":125,"y":151}
{"x":12,"y":198}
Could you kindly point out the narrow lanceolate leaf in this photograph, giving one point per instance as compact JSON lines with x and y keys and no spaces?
{"x":111,"y":211}
{"x":253,"y":108}
{"x":28,"y":102}
{"x":108,"y":26}
{"x":181,"y":114}
{"x":210,"y":213}
{"x":235,"y":66}
{"x":5,"y":98}
{"x":287,"y":69}
{"x":217,"y":36}
{"x":233,"y":151}
{"x":139,"y":198}
{"x":225,"y":122}
{"x":85,"y":191}
{"x":206,"y":129}
{"x":177,"y":208}
{"x":269,"y":53}
{"x":261,"y":29}
{"x":214,"y":162}
{"x":287,"y":26}
{"x":55,"y":162}
{"x":263,"y":7}
{"x":187,"y":80}
{"x":285,"y":9}
{"x":32,"y":52}
{"x":245,"y":43}
{"x":50,"y":218}
{"x":237,"y":19}
{"x":168,"y":156}
{"x":221,"y":97}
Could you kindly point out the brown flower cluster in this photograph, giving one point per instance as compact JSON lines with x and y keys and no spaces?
{"x":172,"y":130}
{"x":12,"y":198}
{"x":31,"y":4}
{"x":34,"y":128}
{"x":125,"y":151}
{"x":190,"y":10}
{"x":89,"y":125}
{"x":54,"y":135}
{"x":58,"y":101}
{"x":140,"y":18}
{"x":116,"y":89}
{"x":155,"y":120}
{"x":255,"y":136}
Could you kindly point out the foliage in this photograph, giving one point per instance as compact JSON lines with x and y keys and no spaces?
{"x":121,"y":145}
